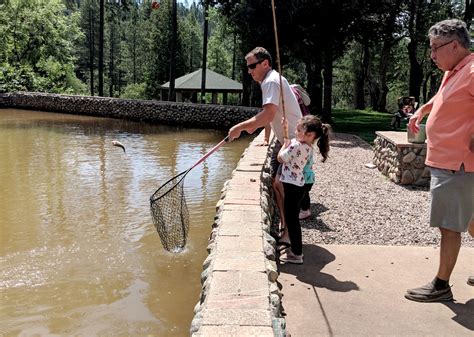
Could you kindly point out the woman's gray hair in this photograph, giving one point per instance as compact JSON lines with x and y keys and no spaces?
{"x":451,"y":29}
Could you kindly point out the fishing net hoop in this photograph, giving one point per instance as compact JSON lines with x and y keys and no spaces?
{"x":169,"y":211}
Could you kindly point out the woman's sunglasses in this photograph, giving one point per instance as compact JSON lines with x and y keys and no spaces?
{"x":254,"y":65}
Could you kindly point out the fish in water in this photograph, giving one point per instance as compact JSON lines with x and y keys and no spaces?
{"x":117,"y":143}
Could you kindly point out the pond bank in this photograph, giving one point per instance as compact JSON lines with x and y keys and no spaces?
{"x":240,"y":295}
{"x":220,"y":117}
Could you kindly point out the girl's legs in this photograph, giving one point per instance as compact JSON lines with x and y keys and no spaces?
{"x":292,"y":201}
{"x":305,"y":202}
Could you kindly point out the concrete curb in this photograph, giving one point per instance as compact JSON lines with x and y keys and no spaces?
{"x":239,"y":294}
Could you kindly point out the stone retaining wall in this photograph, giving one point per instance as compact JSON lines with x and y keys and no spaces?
{"x":402,"y":162}
{"x":239,"y":294}
{"x":157,"y":112}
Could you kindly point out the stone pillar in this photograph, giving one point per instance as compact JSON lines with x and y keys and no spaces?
{"x":402,"y":162}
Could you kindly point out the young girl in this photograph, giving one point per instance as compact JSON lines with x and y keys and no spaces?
{"x":294,"y":155}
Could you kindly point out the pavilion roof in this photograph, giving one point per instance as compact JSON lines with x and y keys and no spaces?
{"x":214,"y":82}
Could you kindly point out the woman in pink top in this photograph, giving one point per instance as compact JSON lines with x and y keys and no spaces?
{"x":450,"y":151}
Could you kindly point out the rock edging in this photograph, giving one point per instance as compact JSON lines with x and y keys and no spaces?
{"x":157,"y":112}
{"x":239,"y":295}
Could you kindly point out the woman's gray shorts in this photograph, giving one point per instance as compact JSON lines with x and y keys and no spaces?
{"x":452,"y":199}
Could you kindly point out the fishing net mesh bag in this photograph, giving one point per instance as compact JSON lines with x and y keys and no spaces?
{"x":170,"y":214}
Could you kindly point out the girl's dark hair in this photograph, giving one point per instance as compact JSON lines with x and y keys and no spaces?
{"x":311,"y":123}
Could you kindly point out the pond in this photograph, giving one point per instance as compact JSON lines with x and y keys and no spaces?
{"x":79,"y":253}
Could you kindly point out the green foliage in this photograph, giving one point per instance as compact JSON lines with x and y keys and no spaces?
{"x":19,"y":78}
{"x":38,"y":46}
{"x":53,"y":46}
{"x":343,"y":82}
{"x":221,"y":44}
{"x":134,"y":91}
{"x":191,"y":39}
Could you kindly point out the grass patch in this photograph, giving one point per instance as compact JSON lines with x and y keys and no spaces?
{"x":362,"y":123}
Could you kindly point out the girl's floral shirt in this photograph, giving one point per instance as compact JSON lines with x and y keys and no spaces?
{"x":294,"y":157}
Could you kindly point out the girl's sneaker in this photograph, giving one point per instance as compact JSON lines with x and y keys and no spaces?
{"x":305,"y":214}
{"x":288,"y":257}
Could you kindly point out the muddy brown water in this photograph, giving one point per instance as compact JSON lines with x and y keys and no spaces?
{"x":79,"y":254}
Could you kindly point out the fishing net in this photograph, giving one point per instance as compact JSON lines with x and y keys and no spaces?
{"x":169,"y":211}
{"x":170,"y":214}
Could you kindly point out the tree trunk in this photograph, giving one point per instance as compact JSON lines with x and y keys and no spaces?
{"x":134,"y":52}
{"x":101,"y":48}
{"x":416,"y":71}
{"x":315,"y":83}
{"x":111,"y":61}
{"x":91,"y":49}
{"x":424,"y":91}
{"x":381,"y":104}
{"x":469,"y":9}
{"x":173,"y":40}
{"x":359,"y":81}
{"x":433,"y":86}
{"x":385,"y":56}
{"x":246,"y":84}
{"x":234,"y":56}
{"x":327,"y":92}
{"x":204,"y":53}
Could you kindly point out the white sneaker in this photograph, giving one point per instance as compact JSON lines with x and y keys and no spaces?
{"x":289,"y":257}
{"x":304,"y":214}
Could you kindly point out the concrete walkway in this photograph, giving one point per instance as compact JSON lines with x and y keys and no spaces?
{"x":358,"y":290}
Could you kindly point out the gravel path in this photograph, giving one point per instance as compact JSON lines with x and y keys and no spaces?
{"x":352,"y":204}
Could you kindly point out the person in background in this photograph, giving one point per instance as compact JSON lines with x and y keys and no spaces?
{"x":294,"y":155}
{"x":450,"y":151}
{"x":407,"y":109}
{"x":259,"y":64}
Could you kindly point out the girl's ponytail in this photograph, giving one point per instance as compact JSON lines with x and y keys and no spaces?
{"x":323,"y":141}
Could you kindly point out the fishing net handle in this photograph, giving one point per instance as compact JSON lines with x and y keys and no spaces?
{"x":275,"y":30}
{"x":211,"y":151}
{"x":159,"y":193}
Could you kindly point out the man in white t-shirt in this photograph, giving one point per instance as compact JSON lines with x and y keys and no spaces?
{"x":259,"y":65}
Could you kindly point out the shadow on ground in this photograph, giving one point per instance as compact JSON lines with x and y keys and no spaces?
{"x":349,"y":141}
{"x":315,"y":258}
{"x":314,"y":221}
{"x":464,"y":313}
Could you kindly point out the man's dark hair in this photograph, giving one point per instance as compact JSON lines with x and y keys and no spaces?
{"x":260,"y":54}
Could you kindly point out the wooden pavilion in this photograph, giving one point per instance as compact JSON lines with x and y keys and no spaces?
{"x":188,"y":87}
